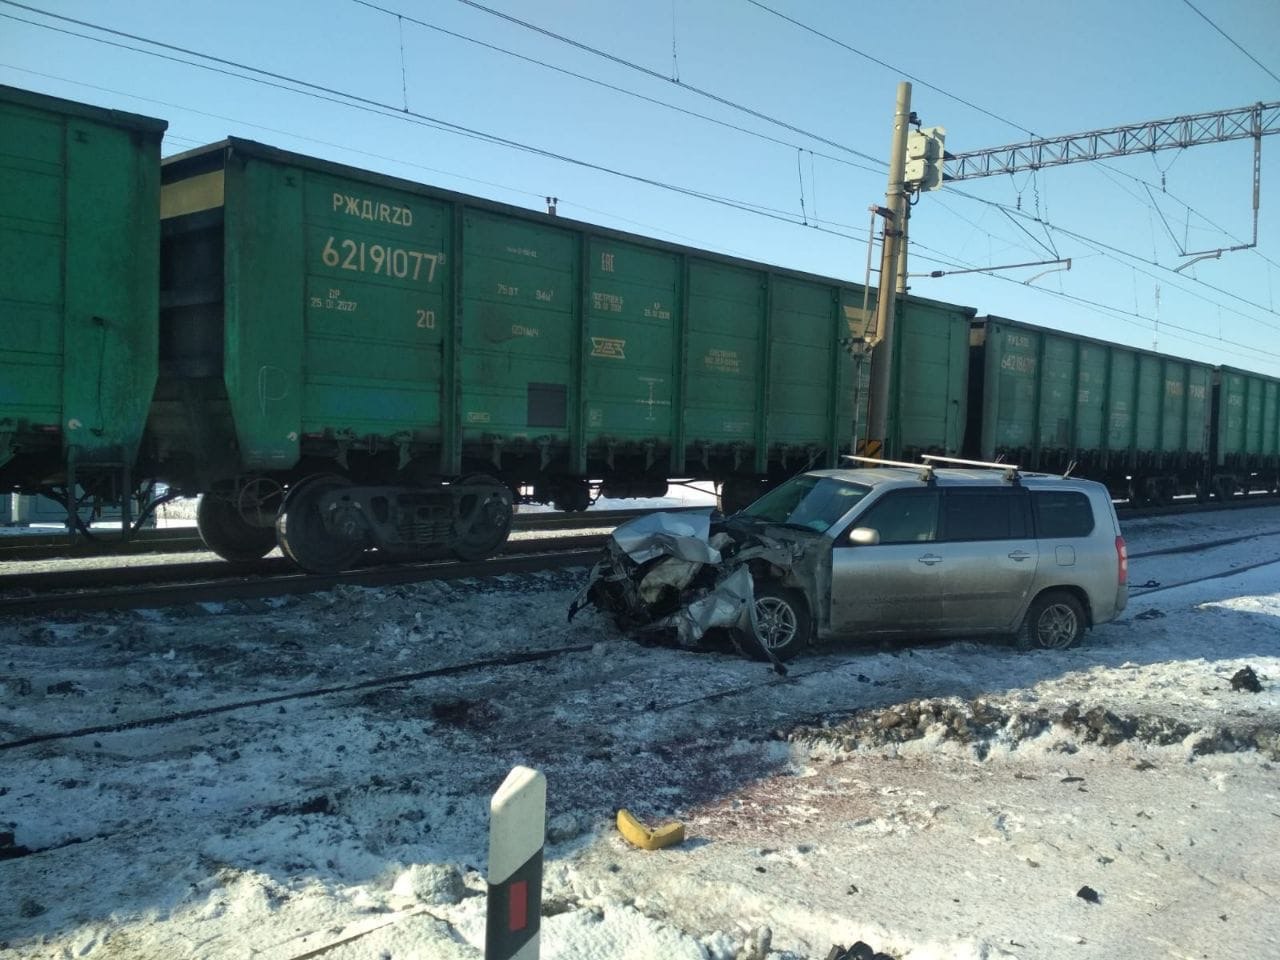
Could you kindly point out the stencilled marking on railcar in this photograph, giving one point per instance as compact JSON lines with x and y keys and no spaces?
{"x":520,"y":330}
{"x":1197,"y":391}
{"x":1018,"y":340}
{"x":651,"y":401}
{"x":609,"y":348}
{"x":372,"y":210}
{"x":735,"y":426}
{"x":505,"y":290}
{"x":606,"y":302}
{"x":426,"y":319}
{"x":334,"y":301}
{"x":606,"y":262}
{"x":1017,"y":363}
{"x":544,"y":296}
{"x":656,"y":311}
{"x":477,"y":416}
{"x":397,"y":262}
{"x":1173,"y":388}
{"x":595,"y":416}
{"x":722,"y":361}
{"x":523,"y":252}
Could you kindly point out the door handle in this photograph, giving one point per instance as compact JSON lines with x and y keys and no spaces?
{"x":931,"y":559}
{"x":1019,"y":555}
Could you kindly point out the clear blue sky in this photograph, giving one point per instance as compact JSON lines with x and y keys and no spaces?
{"x":1047,"y":66}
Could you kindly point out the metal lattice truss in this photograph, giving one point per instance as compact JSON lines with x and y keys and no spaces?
{"x":1219,"y":126}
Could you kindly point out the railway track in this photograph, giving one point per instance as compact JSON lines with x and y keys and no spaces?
{"x":131,"y":588}
{"x":47,"y":545}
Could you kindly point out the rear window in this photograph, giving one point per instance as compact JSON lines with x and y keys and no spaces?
{"x":1062,"y":513}
{"x":983,"y":515}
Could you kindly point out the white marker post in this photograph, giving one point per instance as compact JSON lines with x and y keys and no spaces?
{"x":517,"y":832}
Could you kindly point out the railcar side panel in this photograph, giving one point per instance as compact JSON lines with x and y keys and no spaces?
{"x":375,"y":309}
{"x":79,"y":240}
{"x":518,"y":332}
{"x":801,"y":374}
{"x":930,"y":398}
{"x":632,"y":351}
{"x":727,"y":309}
{"x":1051,"y":399}
{"x":1248,"y":421}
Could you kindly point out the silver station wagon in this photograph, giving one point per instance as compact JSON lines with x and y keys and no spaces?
{"x":943,"y":548}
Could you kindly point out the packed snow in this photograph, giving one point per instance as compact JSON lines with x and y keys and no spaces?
{"x":279,"y":780}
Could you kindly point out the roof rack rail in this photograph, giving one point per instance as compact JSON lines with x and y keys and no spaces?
{"x":1010,"y":469}
{"x":926,"y":469}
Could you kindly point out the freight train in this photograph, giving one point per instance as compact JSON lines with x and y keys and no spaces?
{"x":338,"y":359}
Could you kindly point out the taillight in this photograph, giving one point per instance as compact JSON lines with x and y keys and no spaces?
{"x":1122,"y":562}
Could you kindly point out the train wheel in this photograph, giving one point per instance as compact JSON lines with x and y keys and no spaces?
{"x":226,"y":532}
{"x":301,"y":531}
{"x":485,"y":513}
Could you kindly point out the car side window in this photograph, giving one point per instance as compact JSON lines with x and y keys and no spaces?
{"x":1062,"y":513}
{"x":984,"y":514}
{"x":903,"y":516}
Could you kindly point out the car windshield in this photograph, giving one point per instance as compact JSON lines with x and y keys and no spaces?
{"x":814,"y":503}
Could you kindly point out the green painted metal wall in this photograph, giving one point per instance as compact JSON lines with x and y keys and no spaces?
{"x":79,"y":240}
{"x":1248,"y":418}
{"x":929,"y":402}
{"x":1052,"y":392}
{"x":361,"y":306}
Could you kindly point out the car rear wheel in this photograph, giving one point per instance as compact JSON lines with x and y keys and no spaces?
{"x":1055,"y":621}
{"x":782,"y":622}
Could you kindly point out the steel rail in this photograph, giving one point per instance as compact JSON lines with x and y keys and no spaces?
{"x":231,"y":584}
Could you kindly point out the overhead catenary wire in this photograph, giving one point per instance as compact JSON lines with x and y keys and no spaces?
{"x":613,"y":87}
{"x":1232,"y":41}
{"x":343,"y":98}
{"x":640,"y":68}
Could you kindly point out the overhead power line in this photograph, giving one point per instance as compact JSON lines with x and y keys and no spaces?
{"x":1200,"y":13}
{"x":612,"y":86}
{"x":631,"y":65}
{"x":379,"y":108}
{"x":876,"y":60}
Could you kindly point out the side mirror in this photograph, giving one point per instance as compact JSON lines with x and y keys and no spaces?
{"x":864,"y":537}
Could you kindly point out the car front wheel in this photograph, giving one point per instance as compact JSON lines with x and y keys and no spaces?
{"x":1054,"y":622}
{"x":782,"y":621}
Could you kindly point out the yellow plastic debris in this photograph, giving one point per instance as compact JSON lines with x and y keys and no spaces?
{"x":637,"y":834}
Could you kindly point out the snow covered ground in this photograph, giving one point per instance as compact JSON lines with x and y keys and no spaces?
{"x":940,"y":800}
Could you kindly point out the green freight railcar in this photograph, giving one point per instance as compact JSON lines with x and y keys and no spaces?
{"x":1049,"y":400}
{"x":79,"y":240}
{"x":418,"y":356}
{"x":1246,"y":451}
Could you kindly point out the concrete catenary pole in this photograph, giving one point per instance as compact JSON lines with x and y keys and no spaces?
{"x":882,"y":354}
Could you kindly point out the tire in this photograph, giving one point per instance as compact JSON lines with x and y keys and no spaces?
{"x":228,"y":534}
{"x":1055,"y":621}
{"x":783,"y":620}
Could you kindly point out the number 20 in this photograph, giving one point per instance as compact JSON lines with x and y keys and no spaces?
{"x":426,"y":319}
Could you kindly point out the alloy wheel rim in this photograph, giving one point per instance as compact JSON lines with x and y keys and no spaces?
{"x":777,"y":622}
{"x":1056,"y":627}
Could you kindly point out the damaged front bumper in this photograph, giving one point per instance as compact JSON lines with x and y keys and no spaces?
{"x":679,"y":575}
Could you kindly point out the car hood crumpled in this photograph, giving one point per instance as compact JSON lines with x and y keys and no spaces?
{"x":674,"y":573}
